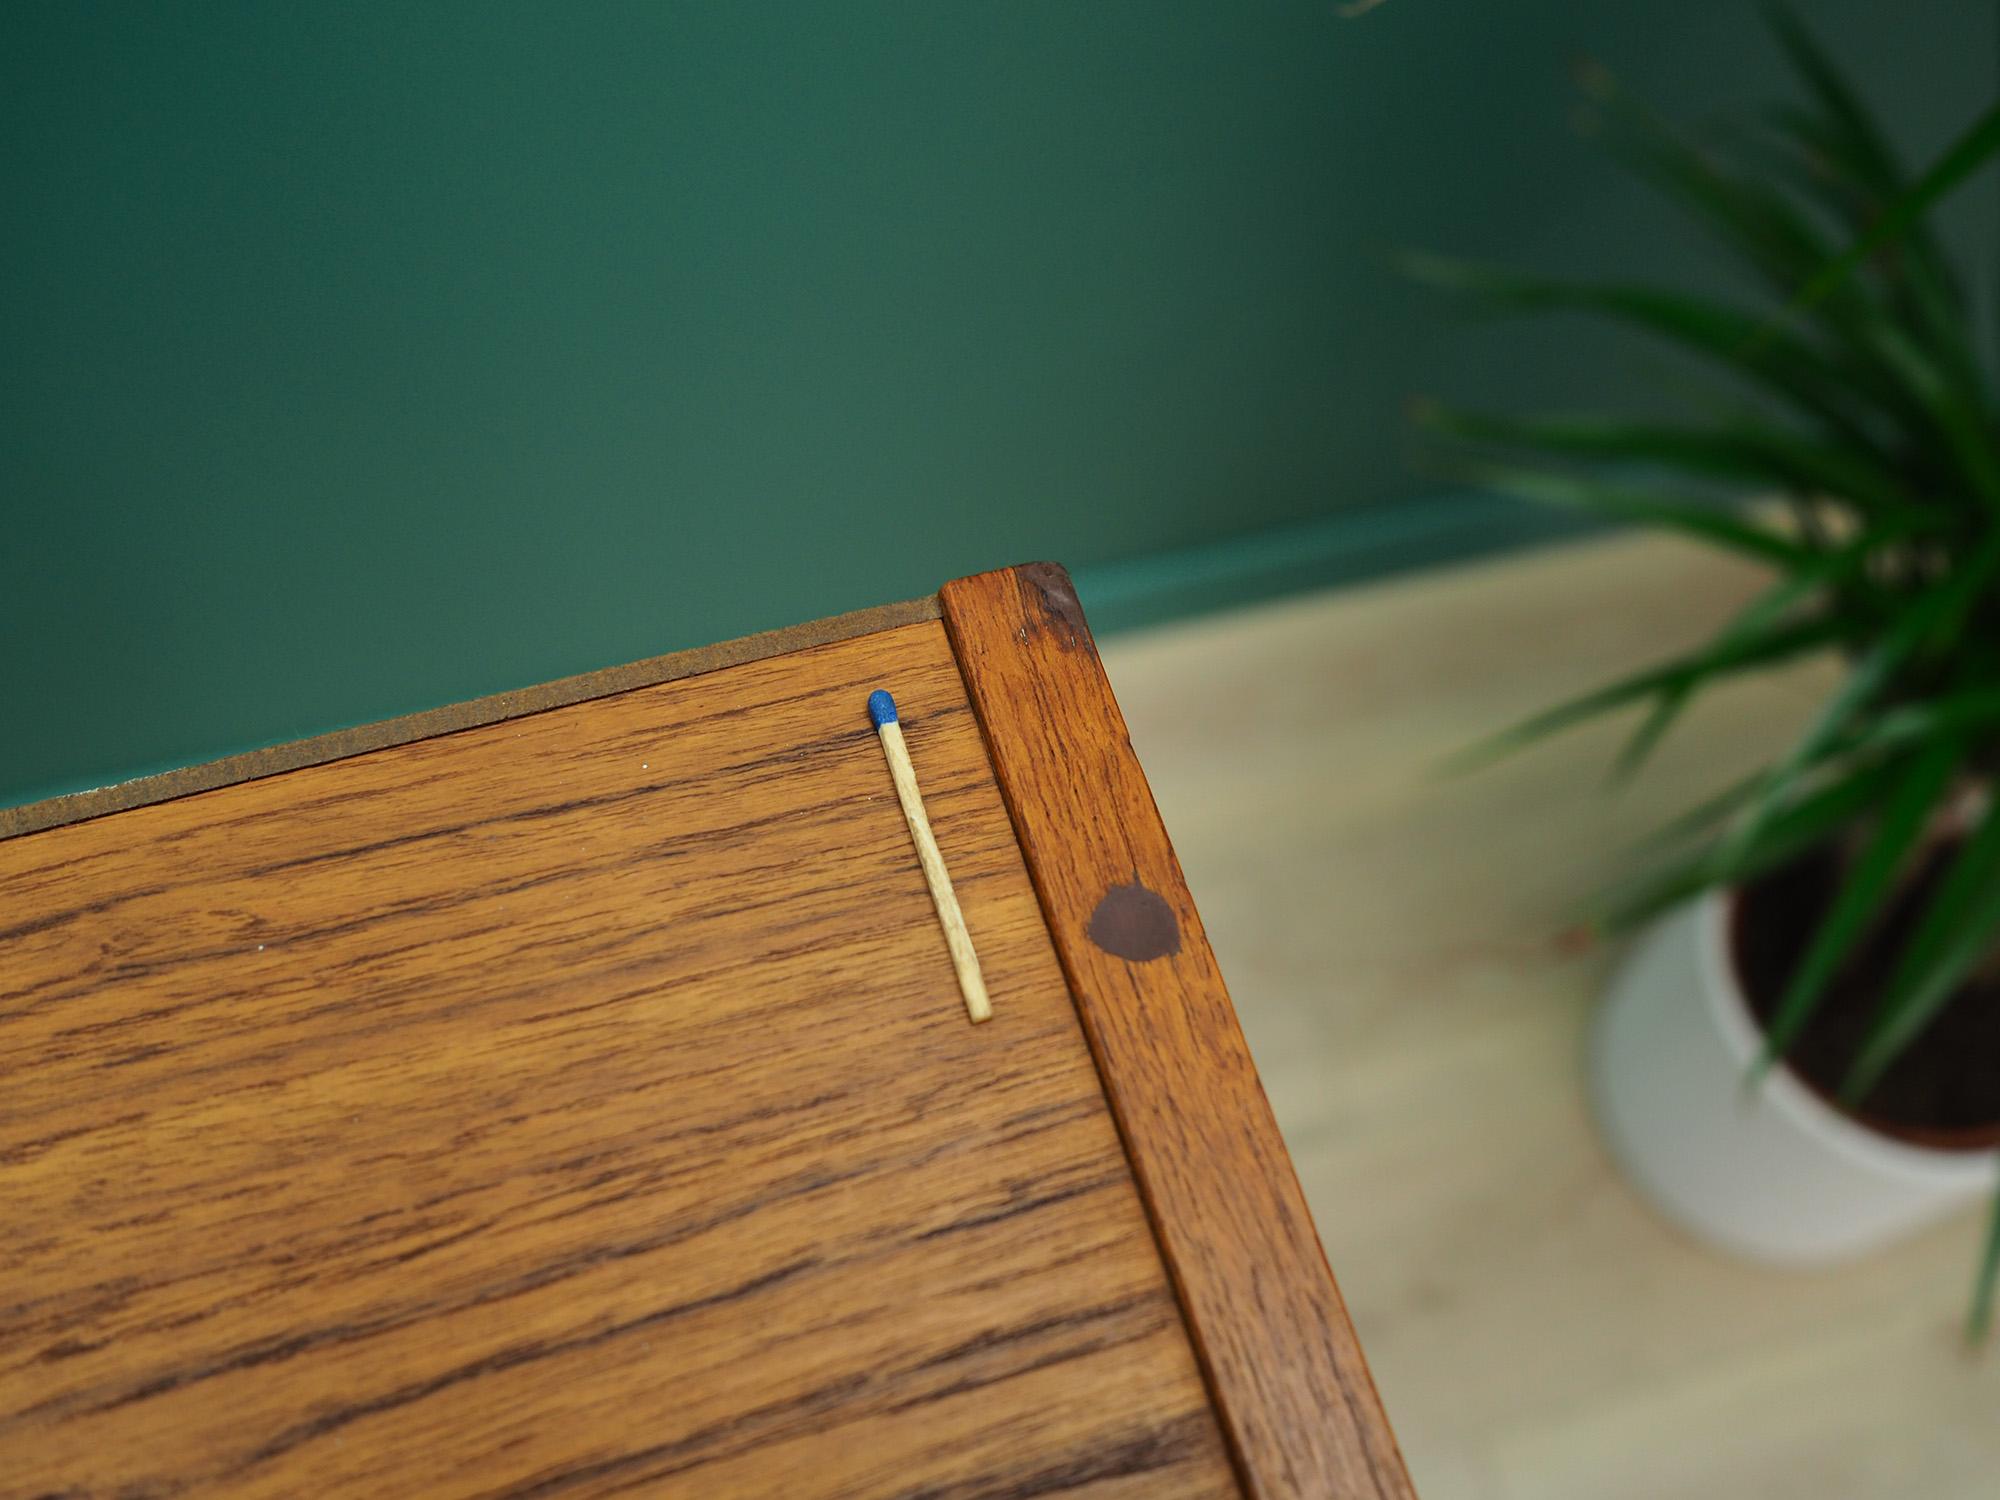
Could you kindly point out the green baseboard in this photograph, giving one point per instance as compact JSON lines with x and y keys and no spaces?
{"x":1355,"y":546}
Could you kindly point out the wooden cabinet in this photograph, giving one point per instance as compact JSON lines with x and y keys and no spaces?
{"x":569,"y":1093}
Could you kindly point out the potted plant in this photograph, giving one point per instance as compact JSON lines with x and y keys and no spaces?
{"x":1827,"y":931}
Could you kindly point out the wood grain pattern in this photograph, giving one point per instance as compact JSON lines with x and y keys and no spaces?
{"x":273,"y":760}
{"x":578,"y":1105}
{"x":1286,"y":1373}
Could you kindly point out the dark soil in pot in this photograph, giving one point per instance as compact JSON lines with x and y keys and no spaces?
{"x":1944,"y":1091}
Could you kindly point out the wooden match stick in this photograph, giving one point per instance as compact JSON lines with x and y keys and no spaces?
{"x":882,"y":711}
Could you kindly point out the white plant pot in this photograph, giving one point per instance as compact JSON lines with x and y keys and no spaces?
{"x":1779,"y":1175}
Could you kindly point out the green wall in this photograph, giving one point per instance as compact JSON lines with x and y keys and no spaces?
{"x":359,"y":358}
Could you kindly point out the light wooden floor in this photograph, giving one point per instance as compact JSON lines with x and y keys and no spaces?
{"x":1395,"y":946}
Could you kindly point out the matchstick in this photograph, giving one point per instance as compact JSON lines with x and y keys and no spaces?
{"x":882,"y":711}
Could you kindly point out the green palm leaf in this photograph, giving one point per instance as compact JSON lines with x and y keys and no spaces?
{"x":1744,"y":449}
{"x":1809,"y":818}
{"x":1743,"y":344}
{"x":1965,"y":156}
{"x":1769,"y":649}
{"x":1957,"y":931}
{"x":1979,"y":1322}
{"x":1691,"y":515}
{"x":1936,"y":613}
{"x":1757,"y":222}
{"x":1703,"y":816}
{"x":1854,"y":188}
{"x":1904,"y":817}
{"x":1862,"y":164}
{"x":1968,"y":712}
{"x":1750,"y":623}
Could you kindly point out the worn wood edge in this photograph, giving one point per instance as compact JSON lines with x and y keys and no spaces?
{"x":1051,"y":582}
{"x":273,"y":760}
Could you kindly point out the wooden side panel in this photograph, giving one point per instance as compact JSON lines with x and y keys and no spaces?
{"x":578,"y":1105}
{"x":1297,"y":1402}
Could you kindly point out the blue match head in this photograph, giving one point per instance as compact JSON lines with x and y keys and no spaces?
{"x":881,"y":708}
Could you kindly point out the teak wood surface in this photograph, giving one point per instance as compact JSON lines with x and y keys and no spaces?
{"x":582,"y":1103}
{"x":1288,"y":1376}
